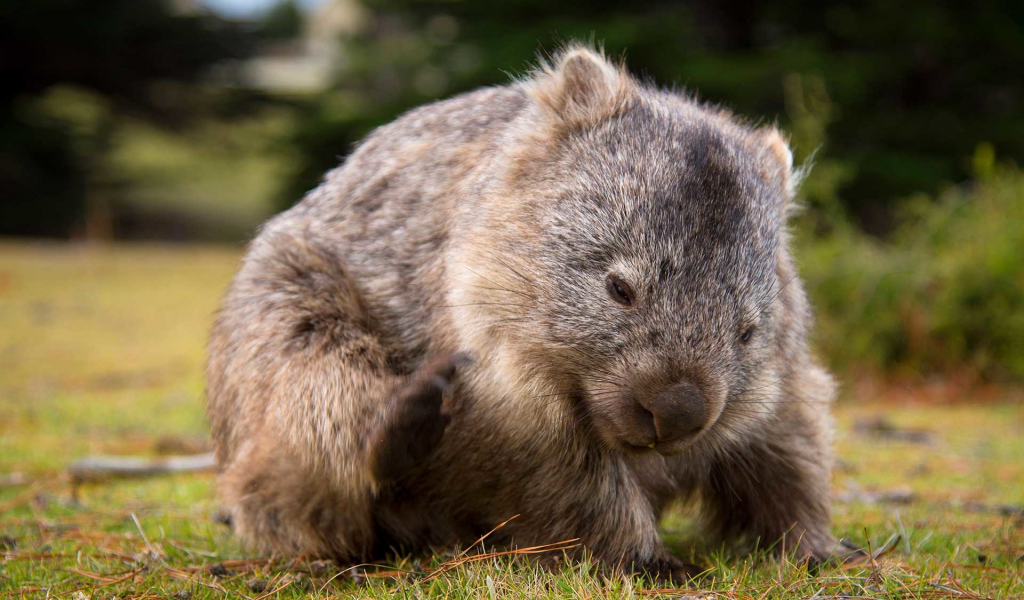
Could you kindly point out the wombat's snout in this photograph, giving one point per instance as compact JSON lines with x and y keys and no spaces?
{"x":677,"y":412}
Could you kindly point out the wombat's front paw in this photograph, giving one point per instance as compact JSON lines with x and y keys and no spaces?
{"x":840,"y":552}
{"x":672,"y":571}
{"x":414,"y":423}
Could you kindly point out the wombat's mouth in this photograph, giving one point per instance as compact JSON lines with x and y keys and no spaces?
{"x":663,"y":447}
{"x":635,"y":449}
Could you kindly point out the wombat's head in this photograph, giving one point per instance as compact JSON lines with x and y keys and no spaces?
{"x":635,"y":260}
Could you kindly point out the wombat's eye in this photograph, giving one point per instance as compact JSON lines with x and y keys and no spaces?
{"x":747,"y":334}
{"x":620,"y":291}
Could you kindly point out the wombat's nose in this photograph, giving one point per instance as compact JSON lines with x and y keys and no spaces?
{"x":678,"y":411}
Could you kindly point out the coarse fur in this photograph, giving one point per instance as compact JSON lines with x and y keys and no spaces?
{"x":425,"y":345}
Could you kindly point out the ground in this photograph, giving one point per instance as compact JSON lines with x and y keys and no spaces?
{"x":102,"y":352}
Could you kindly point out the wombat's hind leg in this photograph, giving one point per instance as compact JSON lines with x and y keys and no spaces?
{"x":300,"y":385}
{"x":278,"y":507}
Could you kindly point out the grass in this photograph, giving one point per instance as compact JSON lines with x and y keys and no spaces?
{"x":102,"y":352}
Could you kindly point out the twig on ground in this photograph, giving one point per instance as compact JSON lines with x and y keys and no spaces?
{"x":13,"y":480}
{"x":457,"y":562}
{"x":112,"y":581}
{"x":103,"y":468}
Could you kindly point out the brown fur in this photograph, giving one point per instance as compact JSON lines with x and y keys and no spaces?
{"x":486,"y":225}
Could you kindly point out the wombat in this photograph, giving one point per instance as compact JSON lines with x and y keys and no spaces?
{"x":569,"y":298}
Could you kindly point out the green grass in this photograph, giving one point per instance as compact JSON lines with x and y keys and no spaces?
{"x":101,"y":352}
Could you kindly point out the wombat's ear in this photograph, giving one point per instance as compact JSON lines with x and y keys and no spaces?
{"x":582,"y":87}
{"x":778,"y":160}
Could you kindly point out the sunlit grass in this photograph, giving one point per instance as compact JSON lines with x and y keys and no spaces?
{"x":102,"y":349}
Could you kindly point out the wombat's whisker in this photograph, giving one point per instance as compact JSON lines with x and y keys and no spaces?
{"x":483,"y":304}
{"x":489,"y":252}
{"x":569,"y":393}
{"x":763,"y":305}
{"x":602,"y":375}
{"x":498,"y":287}
{"x":785,"y":376}
{"x":777,"y":397}
{"x":592,"y":367}
{"x":755,"y":399}
{"x":743,"y":417}
{"x":509,"y":320}
{"x":565,"y":393}
{"x":782,"y":401}
{"x":514,"y":270}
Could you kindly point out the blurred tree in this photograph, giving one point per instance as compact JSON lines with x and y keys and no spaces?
{"x":136,"y":58}
{"x":912,"y":87}
{"x":282,"y":22}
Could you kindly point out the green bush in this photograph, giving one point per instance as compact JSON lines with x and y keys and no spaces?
{"x":944,"y":293}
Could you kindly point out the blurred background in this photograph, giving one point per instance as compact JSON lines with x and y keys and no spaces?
{"x":142,"y":142}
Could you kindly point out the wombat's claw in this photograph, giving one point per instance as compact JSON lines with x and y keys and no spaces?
{"x":672,"y":571}
{"x":849,"y":552}
{"x":414,"y":424}
{"x":842,"y":552}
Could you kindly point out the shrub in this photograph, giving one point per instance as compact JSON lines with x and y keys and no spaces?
{"x":944,"y":293}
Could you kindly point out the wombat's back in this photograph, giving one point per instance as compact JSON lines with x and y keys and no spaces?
{"x":405,"y":181}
